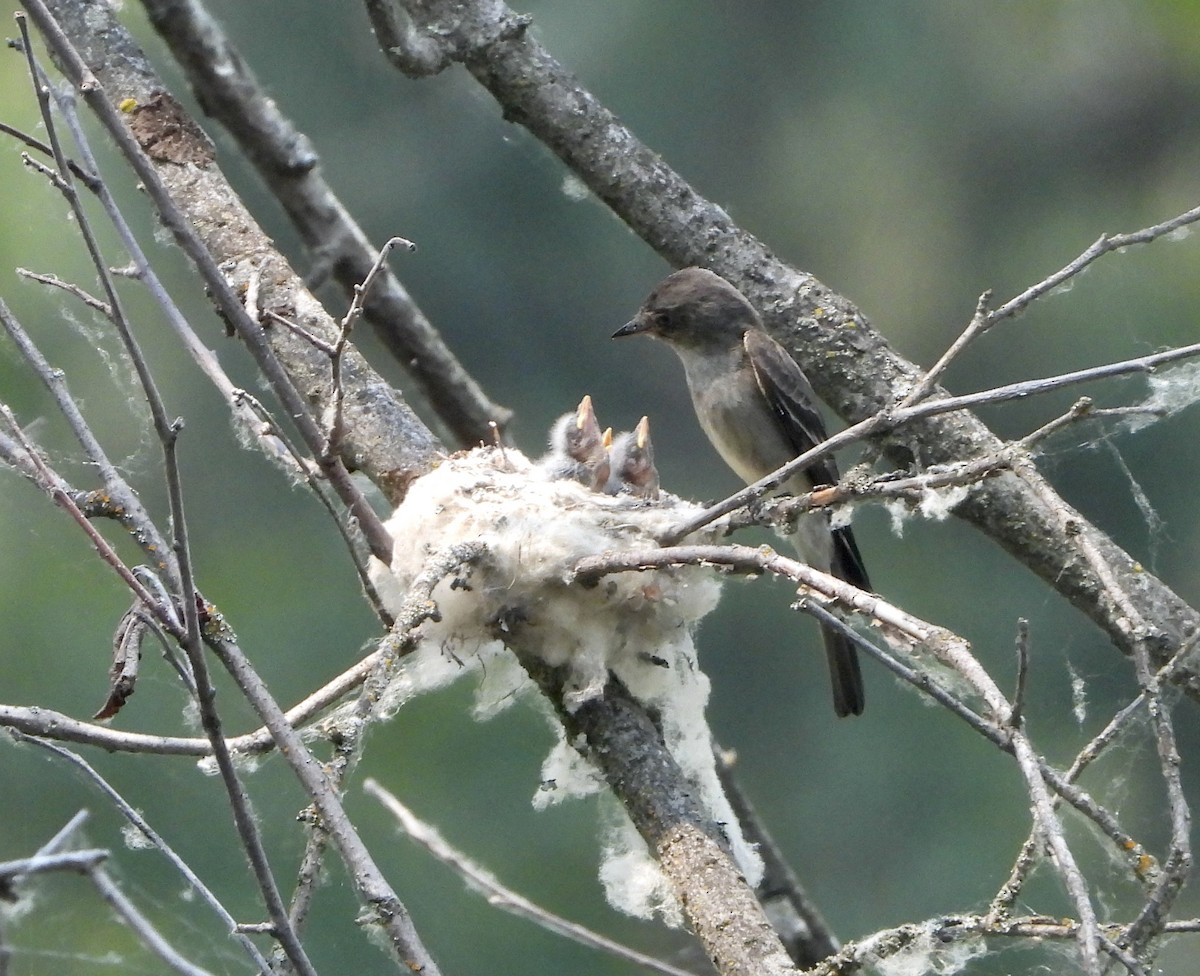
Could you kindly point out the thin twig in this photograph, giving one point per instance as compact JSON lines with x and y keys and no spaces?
{"x":151,"y":835}
{"x":144,"y":271}
{"x":50,"y":482}
{"x":129,"y":913}
{"x":125,"y":501}
{"x":785,"y":510}
{"x":373,"y":890}
{"x":985,"y":317}
{"x":946,"y":930}
{"x":65,"y":832}
{"x":1051,"y":829}
{"x":333,"y":438}
{"x":417,"y":607}
{"x":1103,"y":245}
{"x":320,"y":490}
{"x":50,"y":724}
{"x":46,"y":863}
{"x":976,"y":327}
{"x":793,"y":913}
{"x":498,"y":896}
{"x":36,"y":144}
{"x":1176,"y":866}
{"x":91,"y":301}
{"x":1016,"y":717}
{"x":891,"y":419}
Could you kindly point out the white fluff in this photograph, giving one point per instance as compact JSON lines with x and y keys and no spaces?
{"x":638,"y":625}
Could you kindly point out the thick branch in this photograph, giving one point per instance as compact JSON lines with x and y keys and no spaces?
{"x":615,"y":733}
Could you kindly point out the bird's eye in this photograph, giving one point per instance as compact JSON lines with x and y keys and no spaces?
{"x":661,"y":319}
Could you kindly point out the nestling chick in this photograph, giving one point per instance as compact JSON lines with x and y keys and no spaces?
{"x":631,"y":459}
{"x":577,"y":450}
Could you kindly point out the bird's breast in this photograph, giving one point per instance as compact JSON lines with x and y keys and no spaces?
{"x":739,"y":423}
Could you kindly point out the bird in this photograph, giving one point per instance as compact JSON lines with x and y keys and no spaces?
{"x":631,"y":458}
{"x":578,"y":451}
{"x":759,"y":411}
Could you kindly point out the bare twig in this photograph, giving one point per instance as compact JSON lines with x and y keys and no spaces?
{"x":373,"y":890}
{"x":1105,"y":244}
{"x":151,"y":835}
{"x":506,"y":899}
{"x":91,"y":301}
{"x":1051,"y":830}
{"x":125,"y":501}
{"x":785,"y":510}
{"x":36,"y":144}
{"x":794,"y":915}
{"x":889,"y":420}
{"x":31,"y":462}
{"x":354,"y":543}
{"x":1176,"y":866}
{"x":976,"y":327}
{"x":45,"y":863}
{"x":144,"y":271}
{"x":1016,"y":717}
{"x":417,"y":607}
{"x":949,"y":929}
{"x":89,"y":863}
{"x":140,"y":925}
{"x":50,"y":724}
{"x":985,"y":317}
{"x":333,"y":437}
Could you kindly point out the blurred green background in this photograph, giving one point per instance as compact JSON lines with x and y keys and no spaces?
{"x":908,"y":154}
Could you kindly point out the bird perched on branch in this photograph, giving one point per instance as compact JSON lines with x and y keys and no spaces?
{"x":577,"y":449}
{"x":631,"y":458}
{"x":759,"y":412}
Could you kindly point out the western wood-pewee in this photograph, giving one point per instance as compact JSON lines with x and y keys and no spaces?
{"x":759,"y":411}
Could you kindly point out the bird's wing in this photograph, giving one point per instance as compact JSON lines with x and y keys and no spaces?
{"x":792,"y":400}
{"x":793,"y":403}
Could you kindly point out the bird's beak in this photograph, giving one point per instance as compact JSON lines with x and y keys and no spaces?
{"x":633,"y":327}
{"x":585,"y":416}
{"x":643,"y":433}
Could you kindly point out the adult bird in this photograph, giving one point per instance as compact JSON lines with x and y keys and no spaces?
{"x":759,"y":411}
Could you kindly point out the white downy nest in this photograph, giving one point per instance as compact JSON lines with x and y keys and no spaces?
{"x":637,"y":625}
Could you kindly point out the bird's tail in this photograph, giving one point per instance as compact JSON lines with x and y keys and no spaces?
{"x":848,"y":697}
{"x":835,"y":552}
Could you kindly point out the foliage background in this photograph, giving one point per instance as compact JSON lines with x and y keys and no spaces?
{"x":910,"y":155}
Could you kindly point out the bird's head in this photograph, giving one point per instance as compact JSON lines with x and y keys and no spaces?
{"x":694,"y":309}
{"x":577,"y":434}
